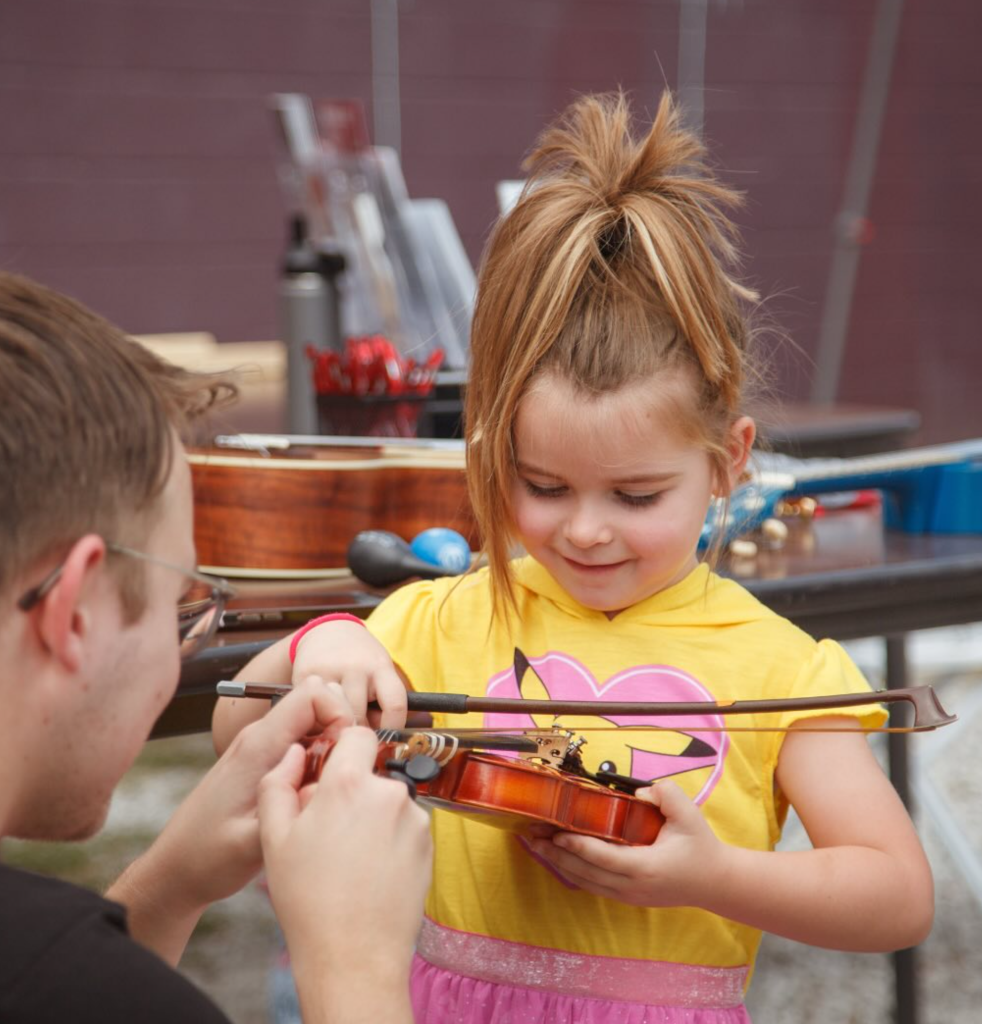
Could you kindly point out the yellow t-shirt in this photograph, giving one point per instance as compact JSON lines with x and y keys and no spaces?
{"x":706,"y":638}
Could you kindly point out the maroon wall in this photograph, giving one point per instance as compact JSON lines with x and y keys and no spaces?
{"x":136,"y":153}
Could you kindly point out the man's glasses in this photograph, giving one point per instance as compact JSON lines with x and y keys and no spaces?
{"x":198,"y":615}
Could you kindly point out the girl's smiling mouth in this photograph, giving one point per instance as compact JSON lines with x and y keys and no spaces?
{"x":593,"y":568}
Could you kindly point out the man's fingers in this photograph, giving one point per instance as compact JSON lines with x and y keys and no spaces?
{"x":279,"y":801}
{"x":352,"y":757}
{"x":313,"y":705}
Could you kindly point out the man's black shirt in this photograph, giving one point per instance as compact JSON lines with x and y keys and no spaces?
{"x":66,"y":957}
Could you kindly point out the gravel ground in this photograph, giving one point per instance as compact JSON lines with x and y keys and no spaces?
{"x":232,"y":949}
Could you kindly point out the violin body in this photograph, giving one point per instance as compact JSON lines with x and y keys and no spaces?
{"x":292,"y":513}
{"x":525,"y":797}
{"x":538,"y":801}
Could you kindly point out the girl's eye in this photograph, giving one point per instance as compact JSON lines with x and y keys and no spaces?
{"x":543,"y":492}
{"x":639,"y":500}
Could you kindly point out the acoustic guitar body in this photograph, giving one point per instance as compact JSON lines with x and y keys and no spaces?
{"x":293,"y":514}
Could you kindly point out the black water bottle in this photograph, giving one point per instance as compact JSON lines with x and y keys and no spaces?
{"x":309,"y":316}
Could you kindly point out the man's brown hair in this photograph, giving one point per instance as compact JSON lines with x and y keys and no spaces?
{"x":87,"y":426}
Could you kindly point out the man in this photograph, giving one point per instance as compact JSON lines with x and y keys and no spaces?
{"x":100,"y":601}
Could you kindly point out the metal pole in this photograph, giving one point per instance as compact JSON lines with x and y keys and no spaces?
{"x":904,"y":960}
{"x":386,"y":109}
{"x":692,"y":61}
{"x":850,"y":223}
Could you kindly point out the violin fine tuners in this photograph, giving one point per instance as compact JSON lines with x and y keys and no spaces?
{"x":422,"y":768}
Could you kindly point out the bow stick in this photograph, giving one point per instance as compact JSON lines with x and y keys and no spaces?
{"x":928,"y":711}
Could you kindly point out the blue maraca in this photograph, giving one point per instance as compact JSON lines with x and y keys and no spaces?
{"x":443,"y":547}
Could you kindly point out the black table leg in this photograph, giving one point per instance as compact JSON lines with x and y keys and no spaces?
{"x":904,"y":960}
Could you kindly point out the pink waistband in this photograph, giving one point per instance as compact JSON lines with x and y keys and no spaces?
{"x":653,"y":982}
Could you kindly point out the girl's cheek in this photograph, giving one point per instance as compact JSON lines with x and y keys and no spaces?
{"x":526,"y":519}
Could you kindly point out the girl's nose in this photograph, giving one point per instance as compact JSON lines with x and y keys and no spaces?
{"x":586,"y":528}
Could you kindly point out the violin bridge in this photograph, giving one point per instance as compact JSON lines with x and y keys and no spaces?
{"x":552,"y":748}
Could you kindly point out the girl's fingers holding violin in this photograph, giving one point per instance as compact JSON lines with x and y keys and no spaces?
{"x":677,"y":807}
{"x":639,"y":875}
{"x":585,"y":861}
{"x":672,"y":871}
{"x":597,"y":854}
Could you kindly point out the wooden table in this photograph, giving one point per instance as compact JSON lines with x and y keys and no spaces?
{"x":839,"y":576}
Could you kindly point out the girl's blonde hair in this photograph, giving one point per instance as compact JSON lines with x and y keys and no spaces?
{"x":613,"y":267}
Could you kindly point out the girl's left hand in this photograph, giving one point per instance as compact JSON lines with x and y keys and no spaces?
{"x":335,"y":652}
{"x":671,"y":872}
{"x":347,"y":654}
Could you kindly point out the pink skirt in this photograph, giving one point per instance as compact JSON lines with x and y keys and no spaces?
{"x":460,"y":978}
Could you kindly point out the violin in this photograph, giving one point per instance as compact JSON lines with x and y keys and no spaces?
{"x":286,"y":507}
{"x":545,"y":790}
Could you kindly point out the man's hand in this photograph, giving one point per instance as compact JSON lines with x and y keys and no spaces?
{"x":210,"y":848}
{"x":348,"y":871}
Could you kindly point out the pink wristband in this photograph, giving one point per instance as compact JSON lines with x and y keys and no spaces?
{"x":333,"y":617}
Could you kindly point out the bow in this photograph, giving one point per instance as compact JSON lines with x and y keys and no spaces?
{"x":929,"y":713}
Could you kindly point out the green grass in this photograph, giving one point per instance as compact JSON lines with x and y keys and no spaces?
{"x":94,"y":864}
{"x":97,"y":862}
{"x":176,"y":752}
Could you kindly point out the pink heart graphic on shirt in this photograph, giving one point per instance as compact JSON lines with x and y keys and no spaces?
{"x":678,"y":746}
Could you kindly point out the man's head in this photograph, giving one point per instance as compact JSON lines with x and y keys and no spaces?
{"x":91,"y":461}
{"x":87,"y":425}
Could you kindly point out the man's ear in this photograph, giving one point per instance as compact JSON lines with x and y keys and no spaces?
{"x":739,"y":443}
{"x":63,"y":617}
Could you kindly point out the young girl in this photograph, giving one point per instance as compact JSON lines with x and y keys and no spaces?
{"x":609,"y":354}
